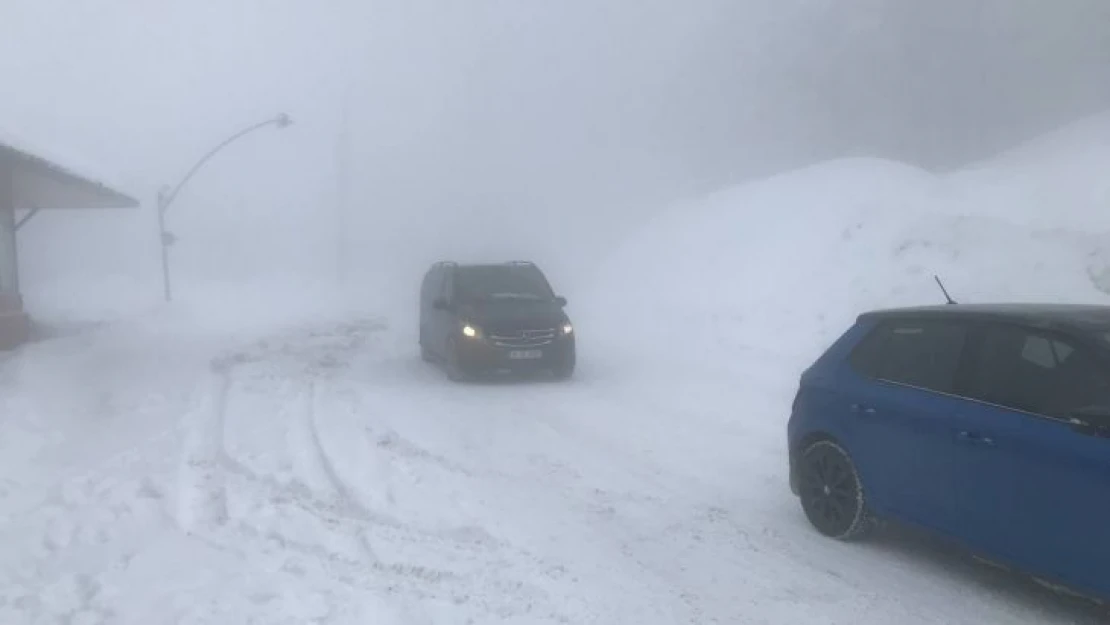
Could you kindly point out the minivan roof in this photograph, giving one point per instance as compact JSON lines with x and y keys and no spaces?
{"x":1060,"y":316}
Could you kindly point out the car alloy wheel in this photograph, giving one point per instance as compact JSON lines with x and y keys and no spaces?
{"x":831,"y":493}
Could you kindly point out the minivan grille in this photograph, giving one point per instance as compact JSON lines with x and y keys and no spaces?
{"x":523,"y":338}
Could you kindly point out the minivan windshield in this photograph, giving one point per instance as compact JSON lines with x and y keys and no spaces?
{"x":503,"y":282}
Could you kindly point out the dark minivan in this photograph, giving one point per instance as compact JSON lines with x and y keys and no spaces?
{"x":500,"y":317}
{"x":987,"y":424}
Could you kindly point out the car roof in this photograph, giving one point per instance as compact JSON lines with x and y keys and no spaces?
{"x":1054,"y":316}
{"x":487,"y":265}
{"x":508,"y":263}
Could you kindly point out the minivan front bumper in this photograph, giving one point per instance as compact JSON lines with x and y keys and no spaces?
{"x":485,"y":353}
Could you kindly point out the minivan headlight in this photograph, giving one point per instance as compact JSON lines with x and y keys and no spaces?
{"x":469,"y":331}
{"x":567,"y":328}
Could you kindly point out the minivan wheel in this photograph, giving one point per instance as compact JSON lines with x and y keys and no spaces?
{"x":455,"y":371}
{"x":831,"y":493}
{"x":425,"y":352}
{"x":565,"y":369}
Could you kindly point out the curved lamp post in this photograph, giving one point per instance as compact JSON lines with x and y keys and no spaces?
{"x":166,"y":195}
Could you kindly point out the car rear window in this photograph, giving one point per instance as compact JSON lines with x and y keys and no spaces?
{"x":921,"y":353}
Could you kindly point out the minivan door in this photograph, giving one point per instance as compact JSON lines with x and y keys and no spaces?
{"x":437,"y":319}
{"x":429,"y":289}
{"x":444,"y":318}
{"x":1035,"y":487}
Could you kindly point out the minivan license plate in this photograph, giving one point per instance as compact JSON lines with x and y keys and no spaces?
{"x":525,"y":354}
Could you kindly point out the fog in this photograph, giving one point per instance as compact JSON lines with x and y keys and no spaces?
{"x":492,"y":129}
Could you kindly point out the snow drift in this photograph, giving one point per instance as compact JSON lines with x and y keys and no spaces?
{"x":779,"y":267}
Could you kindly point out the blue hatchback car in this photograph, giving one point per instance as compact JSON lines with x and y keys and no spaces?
{"x":986,"y":424}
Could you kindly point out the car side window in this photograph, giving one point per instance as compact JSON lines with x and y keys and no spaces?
{"x":1044,"y":352}
{"x":1037,"y":372}
{"x":921,"y":353}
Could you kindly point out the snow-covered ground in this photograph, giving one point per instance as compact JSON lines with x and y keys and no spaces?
{"x":186,"y":466}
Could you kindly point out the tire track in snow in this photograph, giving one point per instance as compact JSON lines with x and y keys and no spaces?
{"x":529,"y":478}
{"x":301,"y":440}
{"x":202,"y":491}
{"x":327,"y":467}
{"x":448,"y":560}
{"x":323,"y":523}
{"x":321,"y":456}
{"x":450,"y":568}
{"x":339,"y":506}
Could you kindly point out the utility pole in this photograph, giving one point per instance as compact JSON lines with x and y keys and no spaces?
{"x":166,"y":196}
{"x":167,"y":241}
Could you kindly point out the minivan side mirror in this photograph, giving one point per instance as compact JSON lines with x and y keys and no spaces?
{"x":560,"y":300}
{"x":440,"y":303}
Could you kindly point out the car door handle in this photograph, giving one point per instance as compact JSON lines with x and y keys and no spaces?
{"x":864,"y":410}
{"x":974,"y":438}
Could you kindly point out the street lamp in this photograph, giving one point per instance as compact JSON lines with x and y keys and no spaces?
{"x":166,"y":195}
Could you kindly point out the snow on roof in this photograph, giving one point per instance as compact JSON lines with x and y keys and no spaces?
{"x":41,"y":181}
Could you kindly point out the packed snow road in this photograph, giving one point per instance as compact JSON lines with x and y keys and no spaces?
{"x":326,"y":475}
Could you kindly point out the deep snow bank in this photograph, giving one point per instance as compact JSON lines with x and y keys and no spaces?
{"x":1055,"y":181}
{"x":777,"y":268}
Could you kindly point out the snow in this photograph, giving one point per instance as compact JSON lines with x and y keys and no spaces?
{"x":296,"y":462}
{"x":1048,"y":183}
{"x":784,"y":264}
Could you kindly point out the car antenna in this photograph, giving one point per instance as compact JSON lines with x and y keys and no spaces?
{"x":944,"y":290}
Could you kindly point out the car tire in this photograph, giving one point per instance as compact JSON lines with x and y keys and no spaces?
{"x":455,"y":371}
{"x":831,"y":492}
{"x":564,"y":370}
{"x":425,"y":352}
